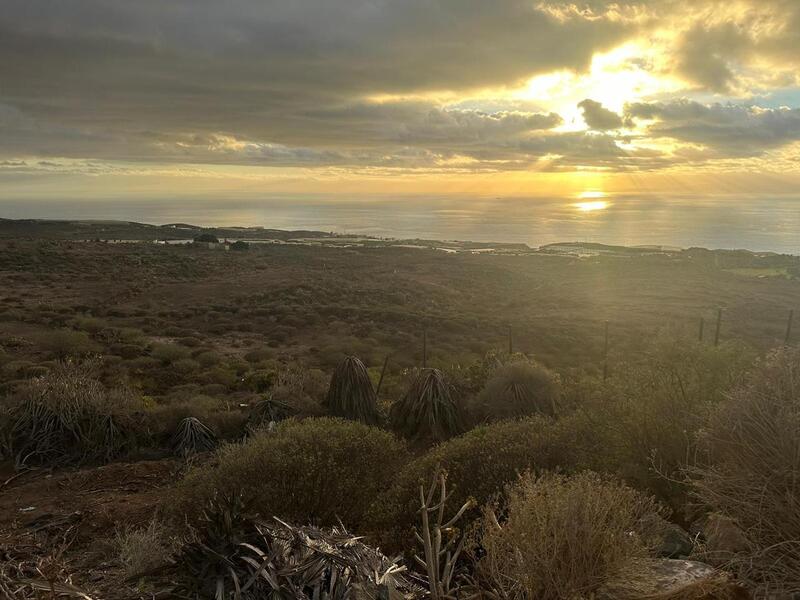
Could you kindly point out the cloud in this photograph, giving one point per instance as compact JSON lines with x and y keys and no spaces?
{"x":706,"y":55}
{"x":731,"y":130}
{"x":598,"y":117}
{"x":379,"y":82}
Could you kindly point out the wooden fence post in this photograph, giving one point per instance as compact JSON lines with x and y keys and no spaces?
{"x":789,"y":328}
{"x":605,"y":354}
{"x":719,"y":325}
{"x":510,"y":342}
{"x":383,"y":372}
{"x":424,"y":348}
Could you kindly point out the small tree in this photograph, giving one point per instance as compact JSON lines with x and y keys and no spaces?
{"x":207,"y":238}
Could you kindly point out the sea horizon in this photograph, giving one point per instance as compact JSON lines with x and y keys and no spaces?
{"x":756,"y":223}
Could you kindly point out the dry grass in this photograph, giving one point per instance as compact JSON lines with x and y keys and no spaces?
{"x":143,"y":549}
{"x":754,"y":452}
{"x":720,"y":588}
{"x":32,"y":572}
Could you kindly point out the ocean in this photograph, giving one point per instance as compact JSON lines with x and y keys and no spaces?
{"x":763,"y":223}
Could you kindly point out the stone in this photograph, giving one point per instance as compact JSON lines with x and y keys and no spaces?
{"x":676,"y":543}
{"x":724,"y":537}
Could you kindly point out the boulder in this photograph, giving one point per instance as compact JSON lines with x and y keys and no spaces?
{"x":724,"y":537}
{"x":676,"y":543}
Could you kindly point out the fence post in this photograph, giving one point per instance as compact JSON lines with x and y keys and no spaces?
{"x":383,"y":372}
{"x":605,"y":354}
{"x":510,"y":342}
{"x":424,"y":348}
{"x":719,"y":325}
{"x":789,"y":328}
{"x":702,"y":325}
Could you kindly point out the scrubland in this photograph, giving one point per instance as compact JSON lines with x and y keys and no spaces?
{"x":327,"y":422}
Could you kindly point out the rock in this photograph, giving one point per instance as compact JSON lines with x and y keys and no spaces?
{"x":723,"y":536}
{"x":666,"y":576}
{"x":676,"y":543}
{"x":672,"y":574}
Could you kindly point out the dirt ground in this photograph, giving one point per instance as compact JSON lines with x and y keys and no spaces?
{"x":73,"y":514}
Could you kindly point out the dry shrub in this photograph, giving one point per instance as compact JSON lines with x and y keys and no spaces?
{"x":754,"y":452}
{"x":717,"y":588}
{"x":564,"y":538}
{"x":142,"y":549}
{"x":317,"y":470}
{"x":518,"y":389}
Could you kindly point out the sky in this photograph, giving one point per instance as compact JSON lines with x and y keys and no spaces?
{"x":168,"y":99}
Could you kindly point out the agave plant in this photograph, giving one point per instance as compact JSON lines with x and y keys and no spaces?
{"x":351,"y":394}
{"x":239,"y":558}
{"x":68,"y":416}
{"x":191,"y":437}
{"x":268,"y":412}
{"x":427,"y":411}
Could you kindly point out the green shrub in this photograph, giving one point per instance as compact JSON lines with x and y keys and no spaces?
{"x":565,"y":538}
{"x":90,"y":324}
{"x":169,"y":353}
{"x":643,"y":423}
{"x":185,"y":366}
{"x":126,"y":351}
{"x":66,"y":343}
{"x":258,"y":355}
{"x":753,"y":440}
{"x":315,"y":469}
{"x":518,"y":389}
{"x":209,"y":358}
{"x":479,"y":464}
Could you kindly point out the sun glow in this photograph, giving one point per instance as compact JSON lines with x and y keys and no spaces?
{"x":591,"y":206}
{"x":625,"y":74}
